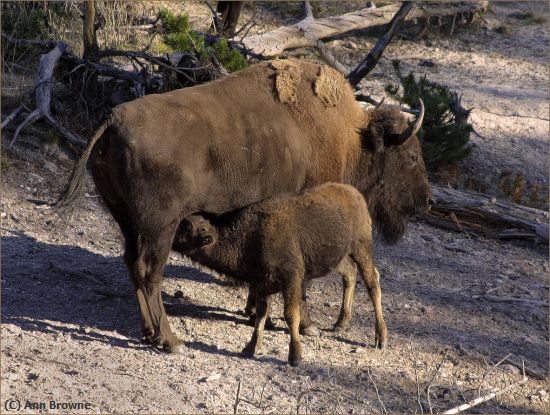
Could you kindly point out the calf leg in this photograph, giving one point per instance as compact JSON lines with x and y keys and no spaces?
{"x":263,"y":303}
{"x":364,"y":259}
{"x":348,"y":270}
{"x":250,"y":310}
{"x":307,"y":326}
{"x":292,"y":295}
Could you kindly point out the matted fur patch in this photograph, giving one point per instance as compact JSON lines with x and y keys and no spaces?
{"x":328,"y":86}
{"x":286,"y":80}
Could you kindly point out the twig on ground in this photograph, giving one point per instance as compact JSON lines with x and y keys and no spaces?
{"x":487,"y":397}
{"x":412,"y":358}
{"x":505,"y":299}
{"x":429,"y":387}
{"x":489,"y":371}
{"x":237,"y":397}
{"x":382,"y":406}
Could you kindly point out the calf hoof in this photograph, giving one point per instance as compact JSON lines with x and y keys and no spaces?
{"x":295,"y":361}
{"x":310,"y":330}
{"x":380,"y":344}
{"x":340,"y":328}
{"x":174,"y":349}
{"x":248,"y":351}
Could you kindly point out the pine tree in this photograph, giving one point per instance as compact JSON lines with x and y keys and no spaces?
{"x":443,"y":135}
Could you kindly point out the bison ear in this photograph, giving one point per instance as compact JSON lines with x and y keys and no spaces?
{"x":373,"y":137}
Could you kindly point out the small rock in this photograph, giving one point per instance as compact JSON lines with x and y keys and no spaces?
{"x":32,"y":376}
{"x":178,"y":294}
{"x":211,"y":378}
{"x":80,"y":233}
{"x":14,"y":217}
{"x":427,"y":63}
{"x":357,"y":349}
{"x":542,"y":393}
{"x":112,"y":365}
{"x":511,"y":369}
{"x":3,"y":215}
{"x":350,"y":45}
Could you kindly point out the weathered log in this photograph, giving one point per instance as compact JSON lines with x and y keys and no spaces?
{"x":473,"y":212}
{"x":308,"y":31}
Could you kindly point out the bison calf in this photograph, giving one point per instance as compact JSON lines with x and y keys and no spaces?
{"x":278,"y":244}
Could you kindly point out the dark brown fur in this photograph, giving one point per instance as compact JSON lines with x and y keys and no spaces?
{"x":231,"y":142}
{"x":278,"y":244}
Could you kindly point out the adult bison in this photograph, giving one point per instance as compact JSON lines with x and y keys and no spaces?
{"x":276,"y":127}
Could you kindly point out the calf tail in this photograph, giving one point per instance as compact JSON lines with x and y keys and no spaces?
{"x":74,"y":190}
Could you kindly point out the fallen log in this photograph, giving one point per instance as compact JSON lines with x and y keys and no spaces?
{"x":471,"y":212}
{"x":308,"y":31}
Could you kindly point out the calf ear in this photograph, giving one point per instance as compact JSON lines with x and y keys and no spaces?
{"x":373,"y":136}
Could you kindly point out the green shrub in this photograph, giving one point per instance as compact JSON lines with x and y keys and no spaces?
{"x":178,"y":37}
{"x":444,"y":138}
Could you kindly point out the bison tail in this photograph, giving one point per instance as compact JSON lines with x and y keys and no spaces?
{"x":75,"y":188}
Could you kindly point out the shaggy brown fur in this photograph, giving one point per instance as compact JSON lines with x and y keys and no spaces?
{"x":278,"y":244}
{"x":232,"y":142}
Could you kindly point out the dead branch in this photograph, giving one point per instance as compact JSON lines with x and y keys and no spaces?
{"x":307,"y":32}
{"x":368,"y":64}
{"x":330,"y":59}
{"x":43,"y":95}
{"x":14,"y":114}
{"x":487,"y":216}
{"x":429,"y":387}
{"x":382,"y":406}
{"x":370,"y":100}
{"x":487,"y":397}
{"x":505,"y":299}
{"x":489,"y":371}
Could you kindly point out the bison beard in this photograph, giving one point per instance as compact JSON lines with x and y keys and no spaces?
{"x":389,"y":224}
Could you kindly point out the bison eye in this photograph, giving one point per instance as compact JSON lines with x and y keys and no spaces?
{"x":202,"y":229}
{"x":414,"y":157}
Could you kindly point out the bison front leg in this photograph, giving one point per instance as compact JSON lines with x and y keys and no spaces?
{"x":348,"y":270}
{"x":262,"y":312}
{"x":152,"y":253}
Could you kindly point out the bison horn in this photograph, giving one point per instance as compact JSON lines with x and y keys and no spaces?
{"x":413,"y":129}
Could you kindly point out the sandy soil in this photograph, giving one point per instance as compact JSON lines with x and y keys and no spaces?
{"x":70,"y":325}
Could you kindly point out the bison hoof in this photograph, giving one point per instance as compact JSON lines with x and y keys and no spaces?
{"x":311,"y":330}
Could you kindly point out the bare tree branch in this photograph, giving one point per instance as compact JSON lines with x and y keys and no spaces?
{"x":374,"y":55}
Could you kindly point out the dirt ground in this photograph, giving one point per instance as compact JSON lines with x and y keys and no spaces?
{"x":70,"y":326}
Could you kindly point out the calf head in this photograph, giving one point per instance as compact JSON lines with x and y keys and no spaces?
{"x":194,"y":232}
{"x":400,"y":188}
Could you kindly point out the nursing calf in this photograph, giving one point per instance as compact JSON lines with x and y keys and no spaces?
{"x":280,"y":243}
